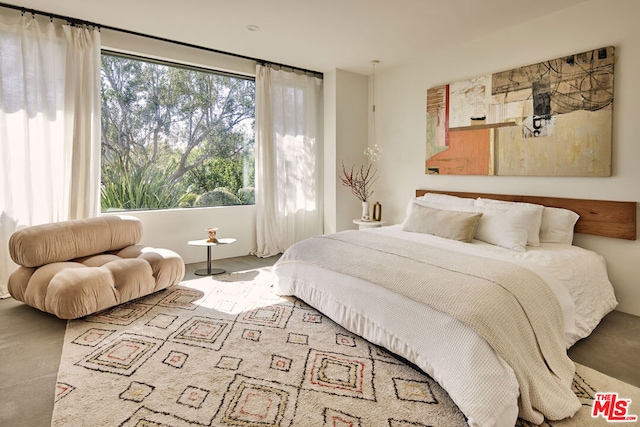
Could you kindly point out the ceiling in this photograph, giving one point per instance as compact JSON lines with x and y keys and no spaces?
{"x":317,"y":35}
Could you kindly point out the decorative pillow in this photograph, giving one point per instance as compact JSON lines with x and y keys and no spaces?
{"x":508,"y":228}
{"x":557,"y":225}
{"x":505,"y":227}
{"x":448,"y":224}
{"x":445,"y":198}
{"x":533,"y":237}
{"x":438,"y":203}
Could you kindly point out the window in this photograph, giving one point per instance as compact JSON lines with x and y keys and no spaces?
{"x":174,"y":136}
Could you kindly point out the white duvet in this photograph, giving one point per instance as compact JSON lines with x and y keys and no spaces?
{"x":479,"y":381}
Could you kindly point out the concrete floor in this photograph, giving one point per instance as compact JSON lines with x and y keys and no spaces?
{"x":31,"y":344}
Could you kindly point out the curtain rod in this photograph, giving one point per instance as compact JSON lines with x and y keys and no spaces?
{"x":76,"y":21}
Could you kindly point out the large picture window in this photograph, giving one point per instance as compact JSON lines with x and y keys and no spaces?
{"x":174,"y":136}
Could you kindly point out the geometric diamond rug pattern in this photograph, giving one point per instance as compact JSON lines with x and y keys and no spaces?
{"x":227,"y":351}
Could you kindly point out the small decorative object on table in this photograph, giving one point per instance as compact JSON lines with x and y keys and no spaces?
{"x":360,"y":184}
{"x":212,"y":235}
{"x":365,"y":212}
{"x":377,"y":211}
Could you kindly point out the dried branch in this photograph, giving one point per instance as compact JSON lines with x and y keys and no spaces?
{"x":359,"y":181}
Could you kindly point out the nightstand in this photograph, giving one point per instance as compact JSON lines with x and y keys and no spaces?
{"x":363,"y":225}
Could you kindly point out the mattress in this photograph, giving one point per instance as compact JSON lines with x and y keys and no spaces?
{"x":478,"y":380}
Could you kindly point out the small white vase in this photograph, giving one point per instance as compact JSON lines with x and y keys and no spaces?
{"x":365,"y":212}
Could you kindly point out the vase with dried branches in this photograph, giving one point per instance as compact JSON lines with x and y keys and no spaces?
{"x":360,"y":182}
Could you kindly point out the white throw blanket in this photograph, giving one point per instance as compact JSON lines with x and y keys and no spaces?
{"x":508,"y":305}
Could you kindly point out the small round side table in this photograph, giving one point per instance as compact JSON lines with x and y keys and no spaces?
{"x":363,"y":225}
{"x":203,"y":242}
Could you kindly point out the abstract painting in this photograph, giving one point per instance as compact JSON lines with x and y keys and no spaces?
{"x":553,"y":118}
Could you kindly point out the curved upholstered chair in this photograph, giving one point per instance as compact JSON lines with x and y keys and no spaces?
{"x":75,"y":268}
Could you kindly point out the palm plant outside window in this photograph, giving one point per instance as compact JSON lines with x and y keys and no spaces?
{"x":174,"y":136}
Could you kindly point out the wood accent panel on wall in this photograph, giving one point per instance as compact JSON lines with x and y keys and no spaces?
{"x":597,"y":217}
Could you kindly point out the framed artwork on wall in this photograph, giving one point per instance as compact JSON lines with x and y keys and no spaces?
{"x":553,"y":118}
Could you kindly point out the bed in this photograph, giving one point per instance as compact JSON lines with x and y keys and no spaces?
{"x":500,"y":352}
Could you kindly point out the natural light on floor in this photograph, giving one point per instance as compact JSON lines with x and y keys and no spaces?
{"x":237,"y":287}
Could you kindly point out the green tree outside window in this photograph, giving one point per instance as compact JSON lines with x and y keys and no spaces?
{"x":174,"y":136}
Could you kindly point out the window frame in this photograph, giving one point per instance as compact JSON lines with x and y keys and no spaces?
{"x":105,"y":50}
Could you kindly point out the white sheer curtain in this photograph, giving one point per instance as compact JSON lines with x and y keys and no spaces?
{"x":289,"y":127}
{"x":49,"y":126}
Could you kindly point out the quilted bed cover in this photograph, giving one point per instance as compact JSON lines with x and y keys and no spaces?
{"x":479,"y":381}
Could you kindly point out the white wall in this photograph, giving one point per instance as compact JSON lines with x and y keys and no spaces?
{"x":401,"y":132}
{"x":173,"y":228}
{"x":118,"y":41}
{"x":345,"y":133}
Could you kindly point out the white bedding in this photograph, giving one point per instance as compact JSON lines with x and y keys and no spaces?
{"x":476,"y":378}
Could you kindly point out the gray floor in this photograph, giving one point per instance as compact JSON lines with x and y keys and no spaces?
{"x":31,"y":344}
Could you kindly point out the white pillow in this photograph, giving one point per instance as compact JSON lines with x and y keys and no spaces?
{"x":557,"y":225}
{"x":508,"y":228}
{"x":435,"y":205}
{"x":434,"y":201}
{"x":533,"y":237}
{"x":505,"y":227}
{"x":410,"y":205}
{"x":445,"y":198}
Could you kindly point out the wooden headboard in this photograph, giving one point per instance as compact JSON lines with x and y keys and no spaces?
{"x":597,"y":217}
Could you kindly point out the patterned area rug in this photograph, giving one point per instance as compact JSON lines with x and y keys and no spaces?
{"x":226,"y":351}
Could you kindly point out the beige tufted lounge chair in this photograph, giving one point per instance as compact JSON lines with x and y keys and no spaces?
{"x":75,"y":268}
